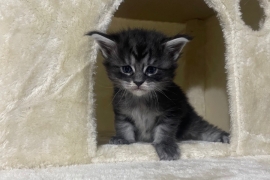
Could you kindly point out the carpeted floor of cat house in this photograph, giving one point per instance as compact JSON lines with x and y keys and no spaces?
{"x":223,"y":168}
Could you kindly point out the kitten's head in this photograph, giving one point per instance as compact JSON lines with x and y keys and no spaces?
{"x":140,"y":61}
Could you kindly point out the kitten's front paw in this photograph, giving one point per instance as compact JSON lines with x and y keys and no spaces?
{"x":117,"y":140}
{"x":167,"y":151}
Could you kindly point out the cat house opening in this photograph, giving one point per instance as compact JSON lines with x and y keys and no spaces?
{"x":255,"y":19}
{"x":201,"y":73}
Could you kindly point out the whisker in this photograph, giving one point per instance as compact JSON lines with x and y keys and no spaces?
{"x":159,"y":90}
{"x":123,"y":94}
{"x":116,"y":94}
{"x":156,"y":99}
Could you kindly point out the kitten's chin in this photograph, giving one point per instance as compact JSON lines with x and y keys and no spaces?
{"x":139,"y":92}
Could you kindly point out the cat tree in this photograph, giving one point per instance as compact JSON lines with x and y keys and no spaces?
{"x":47,"y":109}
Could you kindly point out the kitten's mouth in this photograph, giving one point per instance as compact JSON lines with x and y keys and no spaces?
{"x":138,"y":91}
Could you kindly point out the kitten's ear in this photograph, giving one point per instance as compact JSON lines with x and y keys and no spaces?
{"x":176,"y":44}
{"x":106,"y":45}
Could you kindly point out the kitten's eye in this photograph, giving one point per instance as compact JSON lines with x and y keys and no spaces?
{"x":126,"y":70}
{"x":150,"y":70}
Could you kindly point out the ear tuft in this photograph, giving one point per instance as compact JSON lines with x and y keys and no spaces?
{"x":106,"y":45}
{"x":176,"y":45}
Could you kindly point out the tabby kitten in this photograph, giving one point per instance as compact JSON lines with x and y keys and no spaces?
{"x":148,"y":105}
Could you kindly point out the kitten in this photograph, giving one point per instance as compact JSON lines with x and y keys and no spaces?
{"x":148,"y":105}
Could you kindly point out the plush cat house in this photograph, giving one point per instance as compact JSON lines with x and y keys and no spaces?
{"x":47,"y":80}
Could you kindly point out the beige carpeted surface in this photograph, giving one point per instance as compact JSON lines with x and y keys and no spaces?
{"x":204,"y":169}
{"x":139,"y":152}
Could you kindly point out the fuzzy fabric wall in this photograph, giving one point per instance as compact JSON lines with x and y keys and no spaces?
{"x":247,"y":64}
{"x":46,"y":85}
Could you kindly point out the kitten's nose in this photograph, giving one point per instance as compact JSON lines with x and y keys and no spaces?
{"x":138,"y":83}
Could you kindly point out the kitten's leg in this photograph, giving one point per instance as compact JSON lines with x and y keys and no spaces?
{"x":125,"y":131}
{"x":199,"y":129}
{"x":165,"y":143}
{"x":211,"y":133}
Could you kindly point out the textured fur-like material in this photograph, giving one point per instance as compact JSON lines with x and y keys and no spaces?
{"x":247,"y":64}
{"x":46,"y":85}
{"x":47,"y":105}
{"x":244,"y":168}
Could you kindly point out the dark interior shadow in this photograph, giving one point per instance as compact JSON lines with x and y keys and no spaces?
{"x":252,"y":13}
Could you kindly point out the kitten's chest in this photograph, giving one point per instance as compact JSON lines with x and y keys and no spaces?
{"x":144,"y":118}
